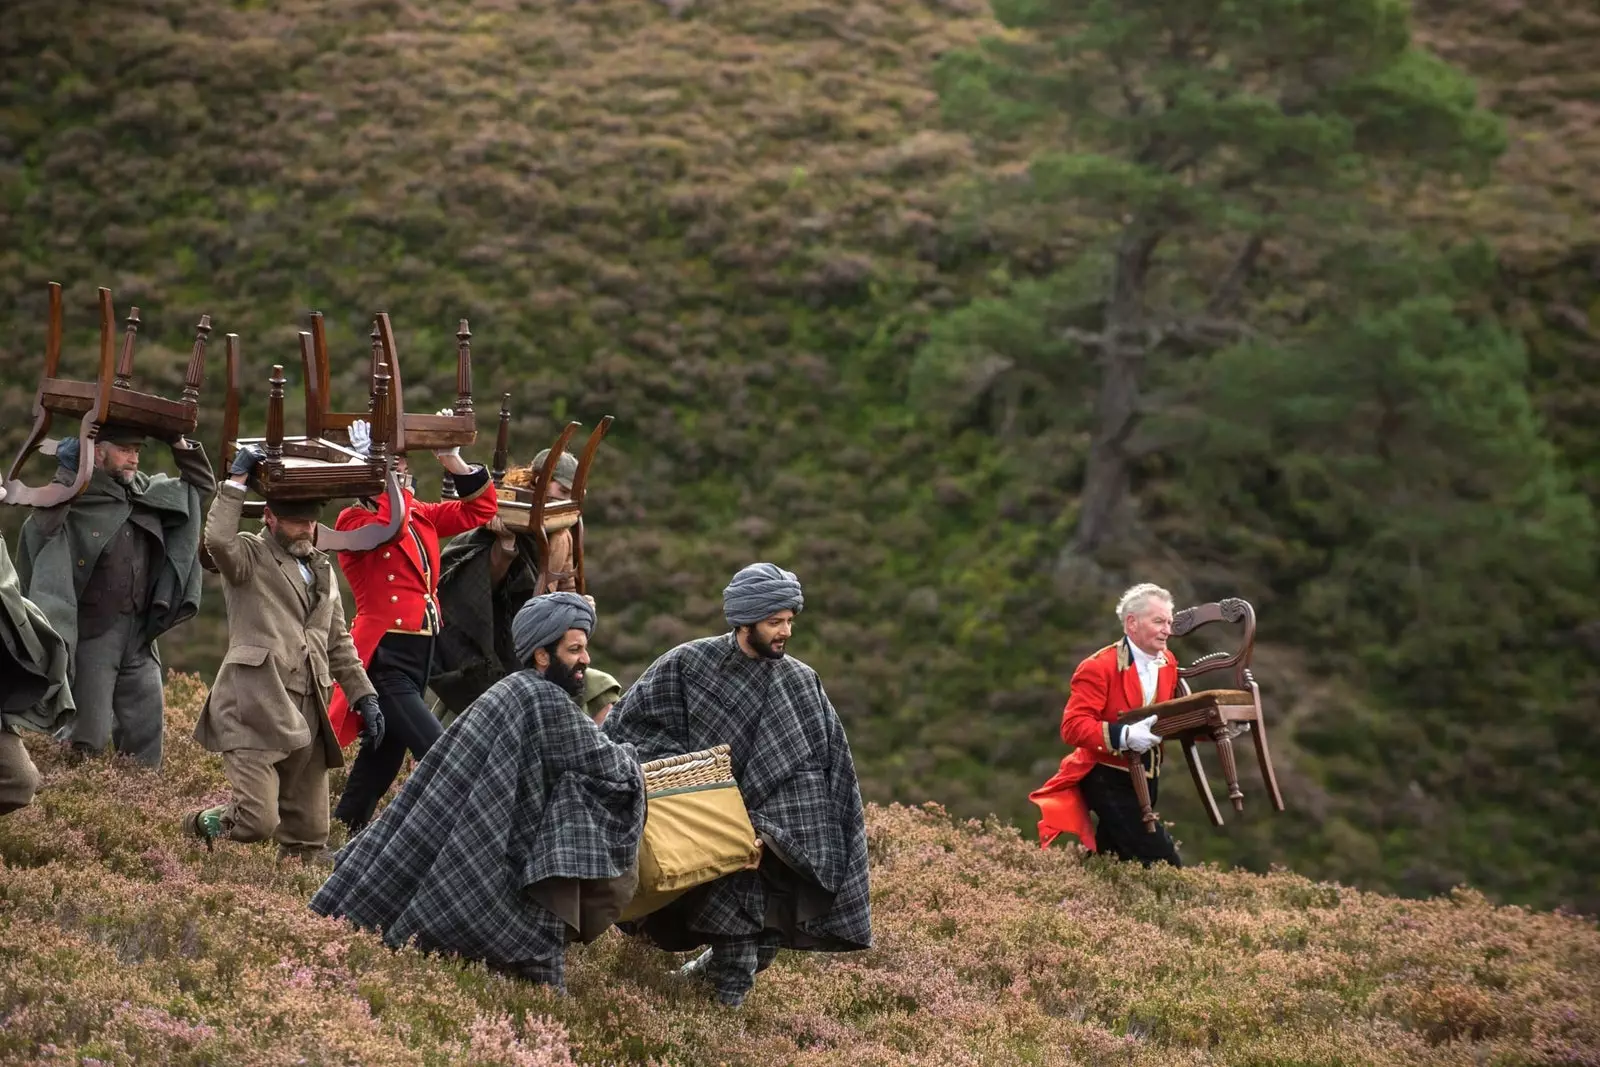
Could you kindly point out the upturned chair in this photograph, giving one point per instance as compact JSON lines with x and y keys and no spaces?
{"x":108,"y":398}
{"x":309,"y":466}
{"x":525,"y":510}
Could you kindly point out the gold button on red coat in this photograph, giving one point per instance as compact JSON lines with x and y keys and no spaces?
{"x":391,"y":577}
{"x":393,"y":599}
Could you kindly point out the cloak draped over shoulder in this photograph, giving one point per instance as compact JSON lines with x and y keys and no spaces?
{"x":516,"y":801}
{"x":36,"y":695}
{"x":794,"y":769}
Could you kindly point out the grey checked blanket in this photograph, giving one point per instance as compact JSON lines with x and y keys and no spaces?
{"x":793,"y":765}
{"x":518,"y":795}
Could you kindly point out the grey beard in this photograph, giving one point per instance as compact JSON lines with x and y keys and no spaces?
{"x":299,"y":548}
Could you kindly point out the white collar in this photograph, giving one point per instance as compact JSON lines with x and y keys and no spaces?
{"x":1142,"y":657}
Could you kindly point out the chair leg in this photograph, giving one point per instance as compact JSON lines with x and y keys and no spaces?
{"x":1258,"y":734}
{"x":1191,"y":753}
{"x":1141,"y":789}
{"x":1230,"y":769}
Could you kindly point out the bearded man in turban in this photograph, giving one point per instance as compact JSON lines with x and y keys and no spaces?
{"x":518,"y":832}
{"x":793,"y":765}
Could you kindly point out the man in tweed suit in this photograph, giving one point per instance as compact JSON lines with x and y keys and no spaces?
{"x":794,"y":769}
{"x":287,"y":644}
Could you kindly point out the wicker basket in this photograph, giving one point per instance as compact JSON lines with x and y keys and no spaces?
{"x":713,"y":766}
{"x":696,"y":829}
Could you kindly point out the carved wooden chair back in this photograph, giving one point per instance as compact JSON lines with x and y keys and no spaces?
{"x":1233,"y":610}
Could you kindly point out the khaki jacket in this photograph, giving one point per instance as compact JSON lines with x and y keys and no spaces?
{"x":286,"y":641}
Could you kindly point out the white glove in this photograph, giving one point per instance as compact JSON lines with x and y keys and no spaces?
{"x":3,"y":496}
{"x":1139,"y":737}
{"x":361,"y":436}
{"x":443,"y":452}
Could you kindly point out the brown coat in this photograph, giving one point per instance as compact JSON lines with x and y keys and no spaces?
{"x":285,"y":640}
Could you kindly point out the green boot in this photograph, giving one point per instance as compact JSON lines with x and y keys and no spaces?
{"x":208,"y":825}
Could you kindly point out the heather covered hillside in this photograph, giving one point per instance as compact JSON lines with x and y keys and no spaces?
{"x":124,"y":943}
{"x":841,"y":302}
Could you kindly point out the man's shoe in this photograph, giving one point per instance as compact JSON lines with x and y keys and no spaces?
{"x":206,"y":825}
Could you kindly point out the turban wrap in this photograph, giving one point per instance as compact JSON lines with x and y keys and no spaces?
{"x":760,"y":591}
{"x":543,"y":619}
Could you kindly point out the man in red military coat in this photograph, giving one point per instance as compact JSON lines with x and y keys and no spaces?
{"x":397,"y":617}
{"x":1136,"y":671}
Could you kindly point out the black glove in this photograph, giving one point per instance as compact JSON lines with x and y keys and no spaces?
{"x":371,"y":720}
{"x":245,"y":459}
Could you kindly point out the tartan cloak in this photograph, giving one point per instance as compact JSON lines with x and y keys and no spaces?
{"x":521,"y":790}
{"x":794,"y":769}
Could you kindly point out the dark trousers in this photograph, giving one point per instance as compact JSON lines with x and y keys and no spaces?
{"x":1119,"y":827}
{"x":399,"y":672}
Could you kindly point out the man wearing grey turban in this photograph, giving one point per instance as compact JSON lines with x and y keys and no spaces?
{"x":551,"y":635}
{"x":760,"y":604}
{"x":518,"y":832}
{"x":792,"y":762}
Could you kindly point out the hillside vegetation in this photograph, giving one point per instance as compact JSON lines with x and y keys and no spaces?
{"x":124,"y":943}
{"x":740,"y":227}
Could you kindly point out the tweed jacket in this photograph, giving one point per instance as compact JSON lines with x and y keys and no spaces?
{"x":286,"y":641}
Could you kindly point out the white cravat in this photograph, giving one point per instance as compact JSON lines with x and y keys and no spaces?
{"x":1149,"y":669}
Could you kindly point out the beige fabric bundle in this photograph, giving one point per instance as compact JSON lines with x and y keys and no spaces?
{"x":696,"y":828}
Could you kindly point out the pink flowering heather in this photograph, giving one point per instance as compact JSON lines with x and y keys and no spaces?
{"x":124,"y":942}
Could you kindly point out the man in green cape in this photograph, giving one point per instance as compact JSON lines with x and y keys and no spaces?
{"x":113,"y":569}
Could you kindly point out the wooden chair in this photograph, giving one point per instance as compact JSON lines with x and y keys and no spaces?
{"x":1213,"y":715}
{"x":411,"y":431}
{"x":526,"y":510}
{"x":309,"y":466}
{"x":110,"y":397}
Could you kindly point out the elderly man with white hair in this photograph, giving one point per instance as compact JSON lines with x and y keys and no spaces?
{"x":1135,"y":671}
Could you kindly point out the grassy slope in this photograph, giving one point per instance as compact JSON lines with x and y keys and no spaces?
{"x":122,"y":942}
{"x":729,"y":229}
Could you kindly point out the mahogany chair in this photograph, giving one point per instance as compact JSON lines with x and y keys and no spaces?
{"x":309,"y":466}
{"x":411,"y":431}
{"x":110,"y":397}
{"x":1216,"y":716}
{"x":526,"y":510}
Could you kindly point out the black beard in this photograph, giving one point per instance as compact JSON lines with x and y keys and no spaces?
{"x":568,"y":678}
{"x":764,"y":649}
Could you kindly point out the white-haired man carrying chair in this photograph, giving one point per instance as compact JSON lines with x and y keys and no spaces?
{"x":1094,"y":778}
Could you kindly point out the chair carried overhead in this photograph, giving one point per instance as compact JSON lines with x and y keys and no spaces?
{"x":108,"y":398}
{"x":1212,"y":715}
{"x":310,"y":466}
{"x":525,"y":509}
{"x":411,"y":431}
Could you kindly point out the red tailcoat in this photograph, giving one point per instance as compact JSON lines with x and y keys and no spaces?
{"x":1103,"y":687}
{"x":395,"y":583}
